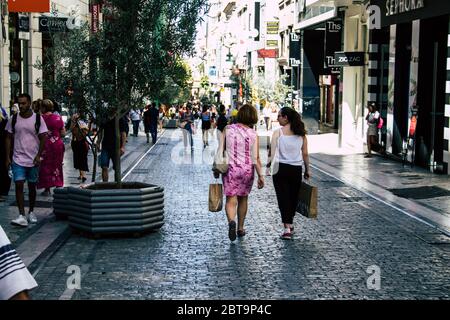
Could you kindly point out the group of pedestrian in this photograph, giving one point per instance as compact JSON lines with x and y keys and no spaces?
{"x":290,"y":154}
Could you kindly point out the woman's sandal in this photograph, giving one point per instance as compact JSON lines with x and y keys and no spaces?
{"x":232,"y":230}
{"x":241,"y":233}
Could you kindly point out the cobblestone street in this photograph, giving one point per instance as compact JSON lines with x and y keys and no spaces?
{"x":191,"y":257}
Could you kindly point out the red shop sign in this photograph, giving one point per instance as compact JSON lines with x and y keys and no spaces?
{"x":29,"y":5}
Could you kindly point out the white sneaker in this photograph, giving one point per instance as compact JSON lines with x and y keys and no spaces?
{"x":32,"y":218}
{"x":20,"y":221}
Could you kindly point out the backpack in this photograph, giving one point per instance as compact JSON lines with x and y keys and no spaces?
{"x":37,"y":124}
{"x":380,"y":123}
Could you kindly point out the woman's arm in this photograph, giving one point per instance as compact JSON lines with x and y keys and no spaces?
{"x":273,"y":147}
{"x":258,"y":165}
{"x":305,"y":154}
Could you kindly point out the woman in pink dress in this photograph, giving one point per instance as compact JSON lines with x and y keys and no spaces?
{"x":50,"y":172}
{"x":241,"y":142}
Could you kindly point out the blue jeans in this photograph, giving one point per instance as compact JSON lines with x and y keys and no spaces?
{"x":30,"y":174}
{"x":136,"y":127}
{"x":188,"y":128}
{"x":105,"y":156}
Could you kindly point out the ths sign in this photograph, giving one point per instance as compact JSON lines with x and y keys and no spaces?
{"x":294,"y":52}
{"x":349,"y":59}
{"x":29,"y":5}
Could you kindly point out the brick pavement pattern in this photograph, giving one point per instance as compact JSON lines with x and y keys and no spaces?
{"x":192,"y":258}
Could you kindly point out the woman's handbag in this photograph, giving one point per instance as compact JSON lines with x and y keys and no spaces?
{"x":307,"y":201}
{"x":215,"y":197}
{"x":221,"y":160}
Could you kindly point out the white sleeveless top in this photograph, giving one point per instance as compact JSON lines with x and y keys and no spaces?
{"x":290,"y":149}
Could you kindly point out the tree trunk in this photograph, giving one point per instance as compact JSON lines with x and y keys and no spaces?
{"x":94,"y":169}
{"x":118,"y":169}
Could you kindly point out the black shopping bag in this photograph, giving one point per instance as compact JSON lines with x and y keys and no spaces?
{"x":307,"y":201}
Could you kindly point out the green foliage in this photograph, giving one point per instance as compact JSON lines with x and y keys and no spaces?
{"x":135,"y":55}
{"x":268,"y":90}
{"x":204,"y":82}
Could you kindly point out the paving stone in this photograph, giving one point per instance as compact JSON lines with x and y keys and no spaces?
{"x":192,"y":258}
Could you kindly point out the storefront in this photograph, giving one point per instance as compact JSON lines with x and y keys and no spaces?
{"x":408,"y":78}
{"x":319,"y":81}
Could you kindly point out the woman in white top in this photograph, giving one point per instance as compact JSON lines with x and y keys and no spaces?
{"x":289,"y":152}
{"x":135,"y":115}
{"x":373,"y":120}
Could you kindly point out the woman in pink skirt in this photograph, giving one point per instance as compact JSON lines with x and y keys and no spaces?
{"x":51,"y":172}
{"x":241,"y":142}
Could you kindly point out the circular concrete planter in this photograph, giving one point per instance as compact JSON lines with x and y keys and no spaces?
{"x":100,"y":208}
{"x":60,"y":202}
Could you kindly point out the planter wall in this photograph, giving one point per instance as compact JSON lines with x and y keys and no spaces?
{"x":99,"y":208}
{"x":60,"y":203}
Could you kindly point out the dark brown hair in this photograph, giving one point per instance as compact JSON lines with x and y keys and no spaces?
{"x":247,"y":115}
{"x":297,"y":125}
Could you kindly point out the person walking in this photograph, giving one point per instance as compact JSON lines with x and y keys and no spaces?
{"x":241,"y":142}
{"x":108,"y":140}
{"x":5,"y":180}
{"x":206,"y":125}
{"x":80,"y":146}
{"x":147,"y":121}
{"x":154,"y":116}
{"x":289,"y":150}
{"x":222,"y":121}
{"x":267,"y":113}
{"x":187,"y":122}
{"x":15,"y":279}
{"x":135,"y":116}
{"x":28,"y":131}
{"x":51,"y":169}
{"x":372,"y":118}
{"x":161,"y":115}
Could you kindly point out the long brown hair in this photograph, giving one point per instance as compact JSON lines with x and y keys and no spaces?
{"x":297,"y":125}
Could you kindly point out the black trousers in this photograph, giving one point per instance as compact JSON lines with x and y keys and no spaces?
{"x":287,"y":182}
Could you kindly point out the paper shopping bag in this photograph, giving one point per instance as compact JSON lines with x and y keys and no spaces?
{"x":215,"y":197}
{"x":307,"y":201}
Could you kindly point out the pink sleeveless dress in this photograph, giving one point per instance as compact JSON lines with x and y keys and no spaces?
{"x":241,"y":172}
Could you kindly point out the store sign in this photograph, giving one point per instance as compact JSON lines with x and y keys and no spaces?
{"x":349,"y":59}
{"x":53,"y":24}
{"x":394,"y":7}
{"x":405,"y":11}
{"x":95,"y":15}
{"x":212,"y":71}
{"x":294,"y":50}
{"x":272,"y":27}
{"x":267,"y":53}
{"x":333,"y":43}
{"x":29,"y":5}
{"x":271,"y":43}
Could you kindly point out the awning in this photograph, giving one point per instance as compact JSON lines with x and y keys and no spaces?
{"x":268,"y":53}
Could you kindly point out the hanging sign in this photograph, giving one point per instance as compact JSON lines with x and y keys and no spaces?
{"x":349,"y":59}
{"x":29,"y":5}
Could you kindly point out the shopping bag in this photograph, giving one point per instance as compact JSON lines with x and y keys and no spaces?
{"x":307,"y":201}
{"x":215,"y":197}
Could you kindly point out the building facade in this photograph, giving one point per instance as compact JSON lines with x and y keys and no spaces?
{"x":409,"y":79}
{"x":341,"y":55}
{"x":26,"y":41}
